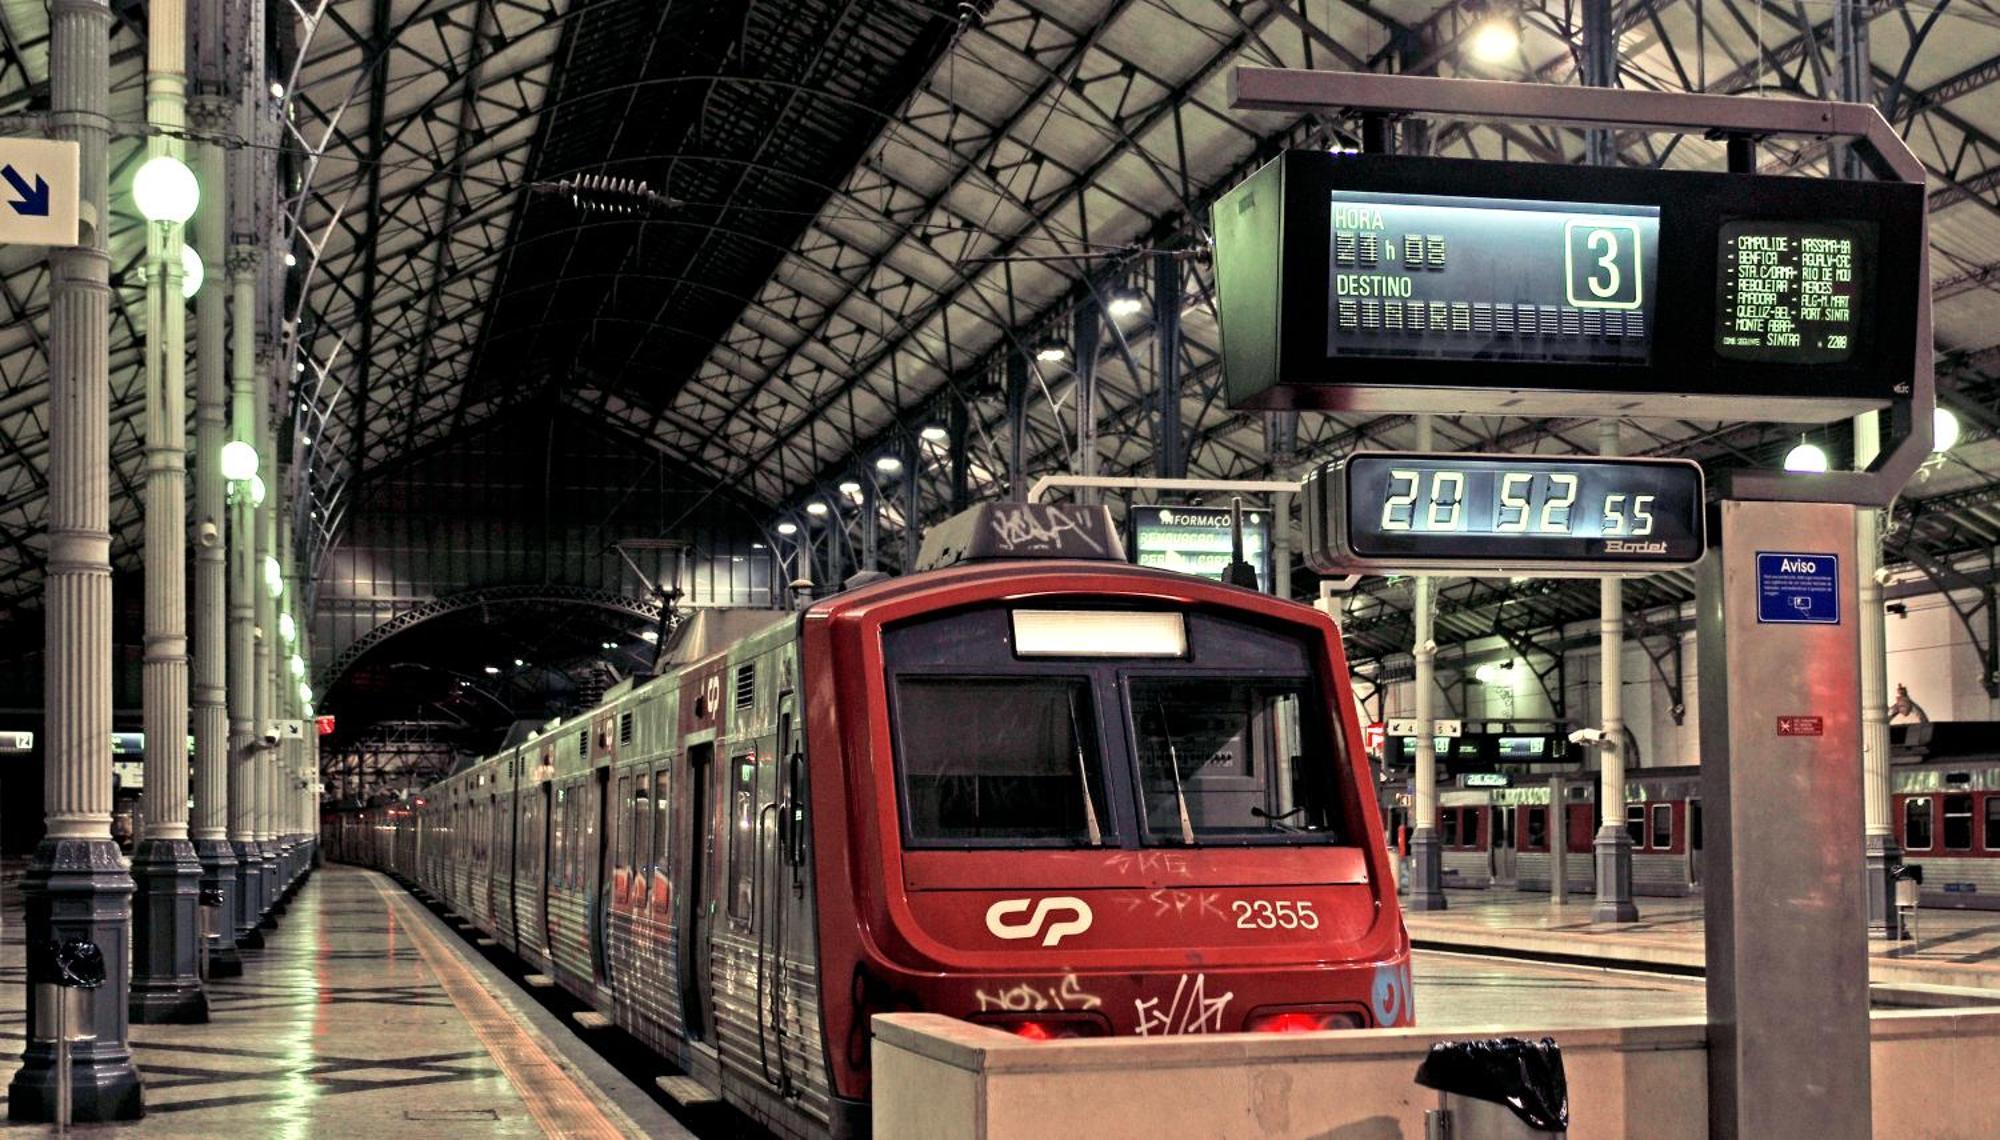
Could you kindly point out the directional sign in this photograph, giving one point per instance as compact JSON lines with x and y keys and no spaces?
{"x":38,"y":192}
{"x":1798,"y":589}
{"x":1439,"y":727}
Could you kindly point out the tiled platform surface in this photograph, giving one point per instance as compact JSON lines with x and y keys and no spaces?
{"x":1954,"y":947}
{"x":363,"y":1016}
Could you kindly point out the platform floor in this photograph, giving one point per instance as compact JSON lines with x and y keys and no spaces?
{"x":1462,"y":991}
{"x":363,"y":1016}
{"x":1953,"y":947}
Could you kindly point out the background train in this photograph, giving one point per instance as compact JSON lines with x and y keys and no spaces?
{"x":1035,"y":787}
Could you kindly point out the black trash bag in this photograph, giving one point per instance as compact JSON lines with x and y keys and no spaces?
{"x":78,"y":963}
{"x":1526,"y":1076}
{"x":211,"y":896}
{"x":1914,"y":872}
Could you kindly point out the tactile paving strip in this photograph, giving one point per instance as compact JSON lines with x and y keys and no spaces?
{"x":559,"y":1105}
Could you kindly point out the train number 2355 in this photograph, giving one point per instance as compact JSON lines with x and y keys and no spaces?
{"x":1262,"y":914}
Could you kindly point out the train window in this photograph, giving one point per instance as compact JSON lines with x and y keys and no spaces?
{"x":1448,"y":824}
{"x":1222,"y":758}
{"x":1468,"y":832}
{"x":1993,"y":823}
{"x":642,"y":832}
{"x":661,"y":832}
{"x":1635,"y":824}
{"x":742,"y":835}
{"x":992,"y":759}
{"x":626,"y":856}
{"x":1917,"y":823}
{"x":1958,"y":822}
{"x":1663,"y":826}
{"x":1537,"y":838}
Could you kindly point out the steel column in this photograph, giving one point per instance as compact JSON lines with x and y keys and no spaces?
{"x":1881,"y":855}
{"x":76,"y":886}
{"x":1426,"y":887}
{"x":1017,"y":427}
{"x":1169,"y":457}
{"x":1613,"y":845}
{"x":1084,"y":332}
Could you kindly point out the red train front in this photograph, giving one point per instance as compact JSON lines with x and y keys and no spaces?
{"x":1077,"y":798}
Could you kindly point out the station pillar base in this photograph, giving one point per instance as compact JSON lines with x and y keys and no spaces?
{"x":1613,"y":852}
{"x":79,"y":888}
{"x":249,"y":894}
{"x":1881,"y":859}
{"x":1426,"y":871}
{"x":166,"y":934}
{"x":219,"y":875}
{"x":267,"y":866}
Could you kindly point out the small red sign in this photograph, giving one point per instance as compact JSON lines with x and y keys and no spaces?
{"x":1801,"y":726}
{"x":324,"y":724}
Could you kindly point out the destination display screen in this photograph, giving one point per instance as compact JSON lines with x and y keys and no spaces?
{"x":1791,"y":292}
{"x":1199,"y":540}
{"x":1452,"y":278}
{"x":1511,"y":509}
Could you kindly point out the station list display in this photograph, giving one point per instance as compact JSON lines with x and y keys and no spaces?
{"x":1790,"y":292}
{"x":1451,"y":278}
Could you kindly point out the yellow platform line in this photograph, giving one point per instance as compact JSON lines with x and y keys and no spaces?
{"x":559,"y":1105}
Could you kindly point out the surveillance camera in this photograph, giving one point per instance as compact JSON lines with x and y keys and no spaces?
{"x":207,"y":534}
{"x":269,"y":735}
{"x":1586,"y":736}
{"x":1430,"y":646}
{"x":1881,"y":575}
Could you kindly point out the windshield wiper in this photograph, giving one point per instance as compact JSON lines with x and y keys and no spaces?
{"x":1083,"y":774}
{"x":1180,"y":796}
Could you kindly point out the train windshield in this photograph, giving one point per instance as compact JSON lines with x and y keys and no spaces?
{"x":1001,"y":759}
{"x":1223,"y":759}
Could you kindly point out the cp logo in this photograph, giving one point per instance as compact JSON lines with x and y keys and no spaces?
{"x":1077,"y":923}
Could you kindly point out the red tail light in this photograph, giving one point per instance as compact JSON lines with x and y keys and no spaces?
{"x":1282,"y":1020}
{"x":1046,"y":1026}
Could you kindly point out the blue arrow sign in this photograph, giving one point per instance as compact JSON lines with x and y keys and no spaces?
{"x":34,"y":201}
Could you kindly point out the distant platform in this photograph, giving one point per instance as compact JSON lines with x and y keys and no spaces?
{"x":1952,"y":947}
{"x":367,"y":1016}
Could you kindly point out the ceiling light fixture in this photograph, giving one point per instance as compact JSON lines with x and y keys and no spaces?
{"x":1125,"y":302}
{"x":1806,"y":458}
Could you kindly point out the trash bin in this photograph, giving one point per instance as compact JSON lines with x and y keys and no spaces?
{"x":1497,"y":1089}
{"x":70,"y":972}
{"x":1909,"y":881}
{"x":211,"y":911}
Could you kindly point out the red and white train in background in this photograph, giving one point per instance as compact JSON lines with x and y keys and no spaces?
{"x":1037,"y":788}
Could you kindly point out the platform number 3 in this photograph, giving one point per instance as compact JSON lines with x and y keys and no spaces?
{"x":1603,"y":262}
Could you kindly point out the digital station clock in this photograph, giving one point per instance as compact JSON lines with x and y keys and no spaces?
{"x":1392,"y":512}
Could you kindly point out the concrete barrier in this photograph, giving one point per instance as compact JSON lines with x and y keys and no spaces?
{"x":939,"y":1078}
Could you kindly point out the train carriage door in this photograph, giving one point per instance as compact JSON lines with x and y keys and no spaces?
{"x":703,"y":890}
{"x":1504,"y":821}
{"x":597,"y":849}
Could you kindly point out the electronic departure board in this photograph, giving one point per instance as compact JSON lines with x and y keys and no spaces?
{"x":1389,"y":283}
{"x":1787,"y":292}
{"x":1490,"y":278}
{"x":1401,"y":511}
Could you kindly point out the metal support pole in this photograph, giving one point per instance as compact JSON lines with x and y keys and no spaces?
{"x":871,"y":521}
{"x":1854,"y":77}
{"x":1426,"y":890}
{"x":244,"y":740}
{"x":1085,"y":328}
{"x":76,"y":885}
{"x":1282,"y":432}
{"x":1600,"y":69}
{"x":960,"y":430}
{"x":913,"y":501}
{"x":266,"y":653}
{"x":210,"y":822}
{"x":1558,"y":843}
{"x":1017,"y":427}
{"x":166,"y":913}
{"x":1614,"y":843}
{"x":1881,"y":854}
{"x":1169,"y":457}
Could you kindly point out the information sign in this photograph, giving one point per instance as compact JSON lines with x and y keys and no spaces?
{"x":1197,"y":540}
{"x":1788,"y":292}
{"x":13,"y":741}
{"x":38,"y":192}
{"x":1394,"y":283}
{"x":1491,"y":278}
{"x":1798,"y":589}
{"x":1485,"y":780}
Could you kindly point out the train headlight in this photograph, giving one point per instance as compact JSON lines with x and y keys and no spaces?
{"x":1046,"y":1026}
{"x":1300,"y":1019}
